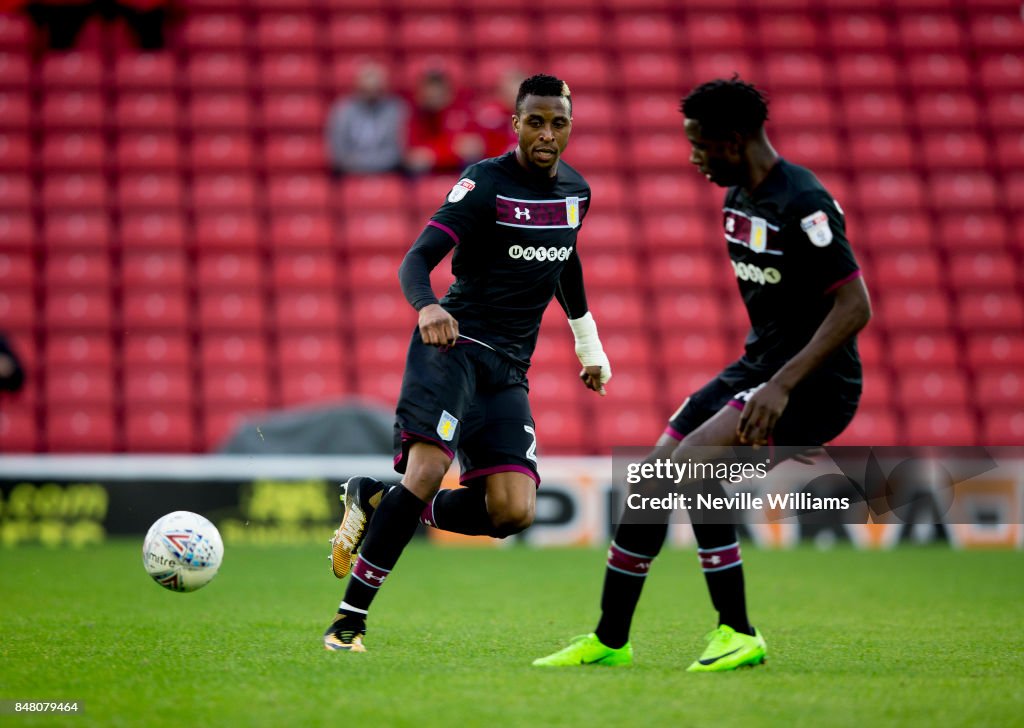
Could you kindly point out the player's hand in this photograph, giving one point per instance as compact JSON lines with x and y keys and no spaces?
{"x":763,"y":409}
{"x":591,"y":377}
{"x":437,"y":326}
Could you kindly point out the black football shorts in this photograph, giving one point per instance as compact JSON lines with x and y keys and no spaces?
{"x":470,"y":401}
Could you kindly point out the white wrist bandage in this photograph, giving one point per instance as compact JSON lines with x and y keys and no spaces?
{"x":588,"y":345}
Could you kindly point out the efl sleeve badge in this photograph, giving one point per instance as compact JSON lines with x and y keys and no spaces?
{"x":817,"y":228}
{"x":462,"y":188}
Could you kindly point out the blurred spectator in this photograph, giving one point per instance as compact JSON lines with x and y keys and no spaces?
{"x":63,"y":19}
{"x":494,"y":116}
{"x":442,"y":137}
{"x":12,"y":376}
{"x":366,"y":131}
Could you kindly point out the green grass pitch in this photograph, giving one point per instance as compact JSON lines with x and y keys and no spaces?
{"x":915,"y":636}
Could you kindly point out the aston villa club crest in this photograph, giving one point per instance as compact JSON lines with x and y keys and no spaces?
{"x":758,"y":234}
{"x":446,"y":426}
{"x":572,"y":211}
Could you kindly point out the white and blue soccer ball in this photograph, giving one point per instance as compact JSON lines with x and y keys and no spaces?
{"x":182,"y":551}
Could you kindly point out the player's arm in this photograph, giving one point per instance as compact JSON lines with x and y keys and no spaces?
{"x":437,"y":326}
{"x":820,"y":232}
{"x":572,"y":297}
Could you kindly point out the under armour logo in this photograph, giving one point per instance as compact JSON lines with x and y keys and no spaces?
{"x":715,"y":560}
{"x":370,"y":575}
{"x":524,"y":213}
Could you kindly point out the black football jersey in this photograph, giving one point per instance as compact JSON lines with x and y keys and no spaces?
{"x":788,"y":247}
{"x":514,"y":232}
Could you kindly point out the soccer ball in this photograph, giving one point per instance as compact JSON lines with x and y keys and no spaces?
{"x":182,"y":551}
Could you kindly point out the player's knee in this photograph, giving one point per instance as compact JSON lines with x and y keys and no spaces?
{"x":424,"y":478}
{"x":511,"y":519}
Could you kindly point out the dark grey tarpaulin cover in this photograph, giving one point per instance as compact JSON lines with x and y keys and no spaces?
{"x":348,"y":427}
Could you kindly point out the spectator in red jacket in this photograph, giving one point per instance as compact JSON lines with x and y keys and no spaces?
{"x":442,"y":135}
{"x":493,"y":117}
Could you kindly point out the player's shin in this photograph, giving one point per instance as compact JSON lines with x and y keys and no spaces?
{"x":719,"y":552}
{"x":460,"y":510}
{"x":629,"y":559}
{"x":389,"y":532}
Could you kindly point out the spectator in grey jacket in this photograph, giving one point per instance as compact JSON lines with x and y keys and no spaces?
{"x":366,"y":131}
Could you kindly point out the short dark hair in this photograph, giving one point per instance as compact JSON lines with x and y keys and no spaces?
{"x":723,"y":107}
{"x":543,"y":85}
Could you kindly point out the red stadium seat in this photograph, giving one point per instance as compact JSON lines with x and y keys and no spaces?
{"x":1004,"y":427}
{"x":946,"y":426}
{"x":375,"y":348}
{"x":927,"y":32}
{"x":873,"y":71}
{"x":78,"y":151}
{"x":217,"y":111}
{"x":701,"y":350}
{"x":15,"y":32}
{"x":152,"y":230}
{"x":161,"y":385}
{"x":946,"y":110}
{"x":923,"y":351}
{"x":19,"y":431}
{"x":14,"y":70}
{"x":376,"y":192}
{"x":17,"y":232}
{"x":77,"y":310}
{"x":224,"y":192}
{"x":288,"y":32}
{"x":815,"y":148}
{"x":143,"y":350}
{"x":16,"y":271}
{"x":600,"y":152}
{"x":966,"y":191}
{"x":934,"y":387}
{"x":788,"y":31}
{"x":71,"y":429}
{"x":304,"y":271}
{"x":574,"y":32}
{"x":493,"y":65}
{"x":222,"y":151}
{"x":77,"y":270}
{"x":871,"y":428}
{"x":88,"y":352}
{"x":804,"y":109}
{"x":150,"y":191}
{"x":559,"y":432}
{"x":79,"y":386}
{"x":661,"y":152}
{"x":378,"y":231}
{"x":914,"y":310}
{"x":298,"y":192}
{"x":996,"y":312}
{"x":999,"y":388}
{"x":683,"y":270}
{"x":714,"y":31}
{"x":309,"y":349}
{"x":15,"y":110}
{"x":232,"y":311}
{"x":148,"y":152}
{"x":229,"y":271}
{"x":944,"y":70}
{"x":1009,"y":153}
{"x":220,"y":423}
{"x":146,"y":111}
{"x":588,"y":71}
{"x":383,"y":311}
{"x":202,"y":31}
{"x":73,"y":110}
{"x":664,"y":192}
{"x":497,"y":31}
{"x":878,"y":389}
{"x":628,"y":425}
{"x":66,"y":192}
{"x":689,"y":311}
{"x":652,"y":71}
{"x":873,"y":109}
{"x":312,"y":383}
{"x":165,"y":428}
{"x":1003,"y":31}
{"x":300,"y":232}
{"x":299,"y":152}
{"x":982,"y":271}
{"x":1003,"y":72}
{"x":86,"y":230}
{"x":986,"y":231}
{"x":863,"y":32}
{"x":957,"y":150}
{"x":307,"y":310}
{"x":420,"y":32}
{"x":72,"y":69}
{"x":145,"y":70}
{"x":246,"y":350}
{"x":293,"y":112}
{"x":615,"y":270}
{"x":380,"y":384}
{"x":360,"y":31}
{"x":881,"y":150}
{"x":211,"y":71}
{"x":154,"y":268}
{"x":605,"y":232}
{"x":227,"y":231}
{"x":993,"y":350}
{"x":550,"y":387}
{"x":289,"y":72}
{"x":374,"y":271}
{"x":900,"y":270}
{"x":794,"y":70}
{"x":152,"y":309}
{"x":680,"y":231}
{"x":632,"y":32}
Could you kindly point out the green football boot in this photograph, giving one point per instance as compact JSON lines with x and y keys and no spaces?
{"x":587,"y":650}
{"x":728,"y":649}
